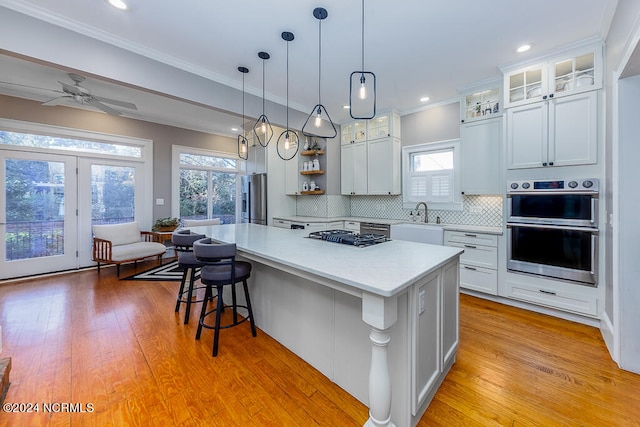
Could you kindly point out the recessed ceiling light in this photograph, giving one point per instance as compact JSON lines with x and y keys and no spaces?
{"x":524,"y":47}
{"x":346,"y":107}
{"x":424,"y":99}
{"x":119,"y":4}
{"x":234,"y":129}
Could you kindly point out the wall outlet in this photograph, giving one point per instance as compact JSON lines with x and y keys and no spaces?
{"x":476,"y":210}
{"x":159,"y":202}
{"x":421,"y":297}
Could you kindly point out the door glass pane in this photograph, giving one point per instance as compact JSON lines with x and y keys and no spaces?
{"x":34,"y":193}
{"x":223,"y":197}
{"x":193,"y":194}
{"x":112,"y":194}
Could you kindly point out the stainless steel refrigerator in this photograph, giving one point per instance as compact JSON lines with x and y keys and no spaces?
{"x":254,"y":199}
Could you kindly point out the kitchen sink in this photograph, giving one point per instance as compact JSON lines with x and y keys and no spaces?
{"x":418,"y":232}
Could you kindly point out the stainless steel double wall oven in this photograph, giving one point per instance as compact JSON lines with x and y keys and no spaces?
{"x":552,"y":229}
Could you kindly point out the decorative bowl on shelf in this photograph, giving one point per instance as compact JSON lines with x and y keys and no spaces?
{"x":584,"y":81}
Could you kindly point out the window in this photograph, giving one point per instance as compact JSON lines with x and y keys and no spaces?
{"x":430,"y":174}
{"x":208,"y":184}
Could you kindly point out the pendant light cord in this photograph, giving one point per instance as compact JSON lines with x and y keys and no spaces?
{"x":363,"y":35}
{"x":263,"y":87}
{"x":287,"y":85}
{"x":242,"y":127}
{"x":319,"y":57}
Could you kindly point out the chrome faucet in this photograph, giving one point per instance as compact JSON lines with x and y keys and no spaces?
{"x":426,"y":211}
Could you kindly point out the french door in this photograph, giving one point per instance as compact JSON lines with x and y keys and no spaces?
{"x":38,"y":213}
{"x":110,"y":192}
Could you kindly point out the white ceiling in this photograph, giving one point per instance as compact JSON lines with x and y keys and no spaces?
{"x":416,"y":48}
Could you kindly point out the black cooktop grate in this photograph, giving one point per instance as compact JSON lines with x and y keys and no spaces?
{"x":347,"y":237}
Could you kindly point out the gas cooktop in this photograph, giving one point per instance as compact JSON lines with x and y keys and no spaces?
{"x":347,"y":237}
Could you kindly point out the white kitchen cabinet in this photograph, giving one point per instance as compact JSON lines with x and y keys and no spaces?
{"x":557,"y":132}
{"x":569,"y":73}
{"x":479,"y":262}
{"x":383,"y":166}
{"x":371,"y":165}
{"x":383,"y":126}
{"x":352,"y":226}
{"x":562,"y":296}
{"x":353,"y":169}
{"x":480,"y":101}
{"x":282,"y":223}
{"x":292,"y":176}
{"x":481,"y":148}
{"x":353,"y":132}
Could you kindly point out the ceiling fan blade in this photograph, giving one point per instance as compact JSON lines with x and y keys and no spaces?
{"x":123,"y":104}
{"x":103,"y":107}
{"x":74,"y":90}
{"x":56,"y":101}
{"x":31,"y":87}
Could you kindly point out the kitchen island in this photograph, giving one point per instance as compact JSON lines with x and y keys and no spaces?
{"x":380,"y":321}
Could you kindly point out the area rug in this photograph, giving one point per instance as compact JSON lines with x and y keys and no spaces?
{"x":166,"y":272}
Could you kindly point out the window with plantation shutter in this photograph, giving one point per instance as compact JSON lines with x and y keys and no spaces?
{"x":429,"y":175}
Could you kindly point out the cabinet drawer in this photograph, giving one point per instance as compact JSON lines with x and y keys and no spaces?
{"x":471,"y":238}
{"x":352,"y":225}
{"x":479,"y":279}
{"x":333,"y":225}
{"x":548,"y":296}
{"x":281,"y":223}
{"x":477,"y":255}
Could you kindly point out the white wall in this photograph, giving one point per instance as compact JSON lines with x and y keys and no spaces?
{"x":628,"y":227}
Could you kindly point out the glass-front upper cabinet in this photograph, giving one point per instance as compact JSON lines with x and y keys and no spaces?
{"x":575,"y":74}
{"x":379,"y":127}
{"x":526,"y":85}
{"x":383,"y":126}
{"x":346,"y":132}
{"x":360,"y":129}
{"x":574,"y":71}
{"x":353,"y":132}
{"x":480,"y":103}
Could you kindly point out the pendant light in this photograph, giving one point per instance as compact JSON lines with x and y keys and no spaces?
{"x":319,"y":123}
{"x":243,"y":144}
{"x":287,"y":145}
{"x":262,"y":129}
{"x":362,"y":89}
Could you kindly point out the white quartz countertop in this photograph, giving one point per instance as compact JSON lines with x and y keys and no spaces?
{"x":451,"y":227}
{"x":384,"y":269}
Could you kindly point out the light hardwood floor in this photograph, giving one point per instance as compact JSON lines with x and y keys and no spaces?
{"x":118,"y":345}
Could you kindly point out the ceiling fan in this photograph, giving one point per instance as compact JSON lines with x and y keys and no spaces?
{"x":83,"y":96}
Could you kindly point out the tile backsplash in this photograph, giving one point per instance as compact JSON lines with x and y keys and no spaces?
{"x":476,"y":210}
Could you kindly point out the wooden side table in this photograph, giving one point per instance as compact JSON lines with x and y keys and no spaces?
{"x":162,"y":237}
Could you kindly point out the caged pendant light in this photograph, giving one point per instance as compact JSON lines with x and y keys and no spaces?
{"x":262,"y":129}
{"x":362,"y":89}
{"x":319,"y":123}
{"x":243,"y":144}
{"x":287,"y":145}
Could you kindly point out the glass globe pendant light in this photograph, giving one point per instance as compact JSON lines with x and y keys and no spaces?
{"x":362,"y":89}
{"x":262,"y":129}
{"x":243,"y":144}
{"x":319,"y":123}
{"x":287,"y":145}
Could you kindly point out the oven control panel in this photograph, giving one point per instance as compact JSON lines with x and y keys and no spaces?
{"x":590,"y":185}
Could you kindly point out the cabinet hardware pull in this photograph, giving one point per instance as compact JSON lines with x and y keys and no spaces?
{"x":551,"y":96}
{"x":470,"y":235}
{"x":547,"y":292}
{"x":470,"y":246}
{"x":544,"y":164}
{"x":550,"y":163}
{"x":470,"y":268}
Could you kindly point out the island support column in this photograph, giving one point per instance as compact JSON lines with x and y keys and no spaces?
{"x":380,"y":313}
